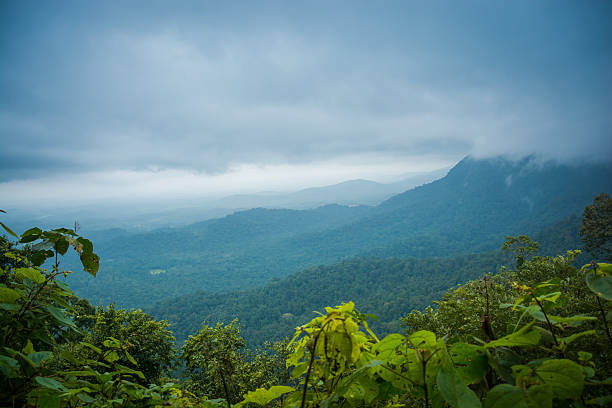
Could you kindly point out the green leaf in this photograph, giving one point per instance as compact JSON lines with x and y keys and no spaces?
{"x":565,"y":377}
{"x":471,"y":362}
{"x":454,"y":391}
{"x":40,"y":356}
{"x":576,"y":336}
{"x":61,"y":246}
{"x":30,"y":273}
{"x":7,"y":229}
{"x":112,"y":357}
{"x":8,"y":295}
{"x":261,"y":396}
{"x":90,"y":262}
{"x":86,"y":245}
{"x":506,"y":396}
{"x":601,"y":285}
{"x":131,"y":359}
{"x":51,"y":384}
{"x":31,"y":235}
{"x":91,"y":346}
{"x":60,"y":316}
{"x":511,"y":396}
{"x":29,"y":348}
{"x":423,"y":339}
{"x":39,"y":257}
{"x":48,"y":399}
{"x":520,"y":338}
{"x":540,"y":396}
{"x":126,"y":370}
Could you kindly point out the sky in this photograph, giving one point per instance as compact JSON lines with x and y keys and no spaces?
{"x":143,"y":100}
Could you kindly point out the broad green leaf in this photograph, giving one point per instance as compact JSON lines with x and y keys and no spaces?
{"x":511,"y":396}
{"x":65,"y":231}
{"x":126,"y":370}
{"x":523,"y":337}
{"x":48,"y":399}
{"x":39,"y":257}
{"x":30,"y":235}
{"x":112,"y":357}
{"x":30,"y":273}
{"x":131,"y":359}
{"x":8,"y":365}
{"x":506,"y":396}
{"x":261,"y":396}
{"x":90,"y":262}
{"x":40,"y":356}
{"x":601,"y":285}
{"x":471,"y":362}
{"x":8,"y":295}
{"x":7,"y":229}
{"x":575,"y":336}
{"x":85,"y":398}
{"x":540,"y":396}
{"x":423,"y":339}
{"x":29,"y":348}
{"x":60,"y":316}
{"x":454,"y":391}
{"x":62,"y":285}
{"x":85,"y":244}
{"x":51,"y":384}
{"x":565,"y":377}
{"x":61,"y":246}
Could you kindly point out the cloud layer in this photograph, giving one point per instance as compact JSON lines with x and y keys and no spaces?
{"x":202,"y":88}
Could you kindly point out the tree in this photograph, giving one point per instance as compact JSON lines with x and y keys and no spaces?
{"x":522,"y":246}
{"x":150,"y":342}
{"x":596,"y":229}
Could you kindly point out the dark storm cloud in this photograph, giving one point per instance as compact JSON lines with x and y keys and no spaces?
{"x":88,"y":86}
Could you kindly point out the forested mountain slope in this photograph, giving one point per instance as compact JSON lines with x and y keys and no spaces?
{"x":388,"y":288}
{"x":470,"y":210}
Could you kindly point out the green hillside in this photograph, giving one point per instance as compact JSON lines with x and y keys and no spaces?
{"x":470,"y":210}
{"x":387,"y":288}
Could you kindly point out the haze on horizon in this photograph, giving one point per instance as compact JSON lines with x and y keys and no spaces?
{"x":115,"y":101}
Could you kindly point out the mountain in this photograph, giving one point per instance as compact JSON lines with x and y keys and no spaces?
{"x":181,"y":212}
{"x":352,"y":192}
{"x":471,"y":209}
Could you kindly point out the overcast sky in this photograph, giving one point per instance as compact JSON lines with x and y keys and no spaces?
{"x":143,"y":99}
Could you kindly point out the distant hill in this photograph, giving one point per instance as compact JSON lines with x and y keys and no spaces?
{"x":352,"y":192}
{"x":387,"y":288}
{"x":470,"y":210}
{"x":174,"y":212}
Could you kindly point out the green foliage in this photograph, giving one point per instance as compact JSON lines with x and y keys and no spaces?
{"x":537,"y":336}
{"x":596,"y":230}
{"x":218,"y":366}
{"x":150,"y":342}
{"x":42,"y":363}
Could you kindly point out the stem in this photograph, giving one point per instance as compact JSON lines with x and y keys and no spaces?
{"x":227,"y":396}
{"x":312,"y":357}
{"x":550,"y":326}
{"x":603,"y":316}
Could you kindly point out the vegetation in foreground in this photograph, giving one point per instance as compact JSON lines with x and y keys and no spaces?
{"x":535,"y":335}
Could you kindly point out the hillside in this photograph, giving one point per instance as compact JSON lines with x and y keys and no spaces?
{"x":387,"y":288}
{"x":470,"y":210}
